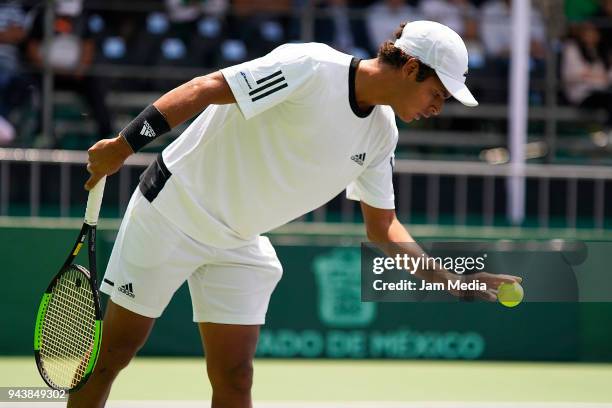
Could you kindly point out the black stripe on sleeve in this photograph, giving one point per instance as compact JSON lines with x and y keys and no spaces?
{"x":264,"y":79}
{"x":109,"y":282}
{"x":269,"y":84}
{"x":271,"y":91}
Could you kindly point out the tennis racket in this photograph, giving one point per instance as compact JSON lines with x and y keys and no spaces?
{"x":68,"y":328}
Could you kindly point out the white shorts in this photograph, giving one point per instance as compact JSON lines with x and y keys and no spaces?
{"x":151,"y":259}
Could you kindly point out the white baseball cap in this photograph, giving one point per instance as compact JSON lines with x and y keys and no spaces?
{"x":442,"y":49}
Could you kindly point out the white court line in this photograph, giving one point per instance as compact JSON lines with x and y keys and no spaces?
{"x":288,"y":404}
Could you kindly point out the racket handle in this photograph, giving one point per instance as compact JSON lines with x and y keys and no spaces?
{"x":94,"y":201}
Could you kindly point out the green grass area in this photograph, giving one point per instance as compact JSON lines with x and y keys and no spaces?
{"x":301,"y":380}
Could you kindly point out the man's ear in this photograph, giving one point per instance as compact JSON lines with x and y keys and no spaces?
{"x":410,"y":67}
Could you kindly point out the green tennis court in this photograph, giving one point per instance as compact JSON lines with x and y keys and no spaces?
{"x":182,"y":382}
{"x":522,"y":334}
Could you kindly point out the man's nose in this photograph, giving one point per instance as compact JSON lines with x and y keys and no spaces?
{"x":436,"y":109}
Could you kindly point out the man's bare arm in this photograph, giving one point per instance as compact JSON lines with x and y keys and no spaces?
{"x":191,"y":98}
{"x":180,"y":104}
{"x":383,"y":227}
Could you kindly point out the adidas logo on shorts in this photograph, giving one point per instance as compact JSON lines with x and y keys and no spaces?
{"x":359,"y":158}
{"x":127,"y":289}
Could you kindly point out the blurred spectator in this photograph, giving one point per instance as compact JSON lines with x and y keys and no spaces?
{"x":257,"y":27}
{"x":258,"y":7}
{"x":71,"y":53}
{"x":215,"y":7}
{"x":604,"y":17}
{"x":184,"y":14}
{"x":476,"y":80}
{"x":12,"y":32}
{"x":497,"y":30}
{"x":496,"y":35}
{"x":337,"y":26}
{"x":180,"y":11}
{"x":452,"y":13}
{"x":473,"y":43}
{"x":384,"y":17}
{"x":587,"y":78}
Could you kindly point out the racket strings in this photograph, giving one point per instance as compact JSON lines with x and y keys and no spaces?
{"x":67,"y":339}
{"x":68,"y":330}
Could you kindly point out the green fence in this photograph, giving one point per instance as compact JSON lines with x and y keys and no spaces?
{"x":316,"y":310}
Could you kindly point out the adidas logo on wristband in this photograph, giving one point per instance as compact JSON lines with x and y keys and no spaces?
{"x":147,"y":130}
{"x":148,"y":125}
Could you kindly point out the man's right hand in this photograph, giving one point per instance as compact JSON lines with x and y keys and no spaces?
{"x":105,"y":158}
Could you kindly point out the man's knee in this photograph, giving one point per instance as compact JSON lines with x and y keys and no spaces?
{"x":123,"y":336}
{"x":237,"y":378}
{"x":117,"y":354}
{"x":114,"y":359}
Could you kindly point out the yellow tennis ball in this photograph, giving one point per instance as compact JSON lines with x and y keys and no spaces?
{"x":510,"y":294}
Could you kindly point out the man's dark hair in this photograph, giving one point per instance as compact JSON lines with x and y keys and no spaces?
{"x":391,"y":55}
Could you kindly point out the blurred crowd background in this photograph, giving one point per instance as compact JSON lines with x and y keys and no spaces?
{"x":110,"y":58}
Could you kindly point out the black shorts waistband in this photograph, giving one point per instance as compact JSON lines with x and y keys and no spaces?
{"x":154,"y":178}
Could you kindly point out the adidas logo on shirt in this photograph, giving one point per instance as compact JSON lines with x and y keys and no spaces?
{"x":269,"y":84}
{"x":147,"y":130}
{"x":127,"y":289}
{"x":359,"y":158}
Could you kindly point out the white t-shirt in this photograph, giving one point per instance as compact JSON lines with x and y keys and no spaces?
{"x":294,"y":140}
